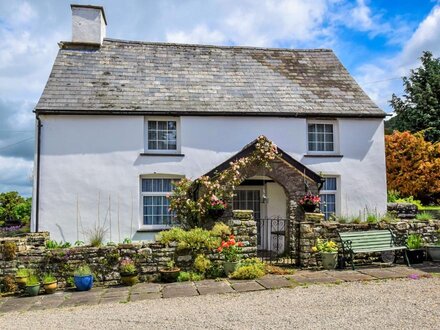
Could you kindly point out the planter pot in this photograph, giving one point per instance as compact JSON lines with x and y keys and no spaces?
{"x":21,"y":281}
{"x":50,"y":287}
{"x":169,"y":275}
{"x":33,"y":290}
{"x":129,"y":278}
{"x":230,"y":266}
{"x":329,"y":260}
{"x":434,"y":252}
{"x":416,"y":256}
{"x":83,"y":283}
{"x":309,"y":208}
{"x":215,"y":213}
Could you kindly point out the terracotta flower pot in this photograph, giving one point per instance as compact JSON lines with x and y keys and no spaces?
{"x":21,"y":281}
{"x":169,"y":275}
{"x":51,"y":287}
{"x":230,"y":267}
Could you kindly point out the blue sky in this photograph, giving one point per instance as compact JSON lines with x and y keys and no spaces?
{"x":377,"y":40}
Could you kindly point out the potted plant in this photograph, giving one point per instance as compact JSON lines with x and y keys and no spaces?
{"x":415,"y":252}
{"x":170,"y":273}
{"x":231,"y":250}
{"x":434,"y":251}
{"x":309,"y":202}
{"x":83,"y":278}
{"x":21,"y":277}
{"x":32,"y":285}
{"x":128,"y":272}
{"x":328,"y":251}
{"x":50,"y":283}
{"x":216,"y":207}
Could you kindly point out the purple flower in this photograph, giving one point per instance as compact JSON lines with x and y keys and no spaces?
{"x":414,"y":276}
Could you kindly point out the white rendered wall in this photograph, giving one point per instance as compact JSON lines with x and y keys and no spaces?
{"x":88,"y":160}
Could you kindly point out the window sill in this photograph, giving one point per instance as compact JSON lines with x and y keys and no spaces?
{"x":161,"y":154}
{"x":324,"y":156}
{"x":152,"y":230}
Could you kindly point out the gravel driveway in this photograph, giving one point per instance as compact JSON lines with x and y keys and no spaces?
{"x":397,"y":304}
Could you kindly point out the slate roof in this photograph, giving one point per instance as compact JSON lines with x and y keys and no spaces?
{"x":139,"y":77}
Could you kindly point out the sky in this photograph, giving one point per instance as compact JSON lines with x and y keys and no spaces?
{"x":378,"y":41}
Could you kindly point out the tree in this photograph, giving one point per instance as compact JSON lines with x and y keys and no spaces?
{"x":14,"y":209}
{"x":419,"y":108}
{"x":413,"y":166}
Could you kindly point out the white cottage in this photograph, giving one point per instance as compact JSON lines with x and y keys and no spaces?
{"x":119,"y":120}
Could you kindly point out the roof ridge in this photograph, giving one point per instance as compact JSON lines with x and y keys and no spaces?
{"x":160,"y":43}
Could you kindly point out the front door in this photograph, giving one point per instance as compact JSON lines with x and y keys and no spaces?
{"x":249,"y":198}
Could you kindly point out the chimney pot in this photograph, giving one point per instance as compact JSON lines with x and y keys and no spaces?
{"x":88,"y":24}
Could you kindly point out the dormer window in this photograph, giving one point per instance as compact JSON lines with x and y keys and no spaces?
{"x":162,"y":135}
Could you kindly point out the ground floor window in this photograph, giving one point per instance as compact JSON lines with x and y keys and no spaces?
{"x":328,"y":197}
{"x":155,"y":203}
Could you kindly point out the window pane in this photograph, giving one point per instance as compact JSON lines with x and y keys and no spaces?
{"x":162,"y":135}
{"x":328,"y":128}
{"x":152,"y":125}
{"x":329,"y":184}
{"x":161,"y":145}
{"x":312,"y":128}
{"x":152,"y":145}
{"x":172,"y":125}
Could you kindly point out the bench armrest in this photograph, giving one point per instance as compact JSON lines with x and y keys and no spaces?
{"x":346,"y":245}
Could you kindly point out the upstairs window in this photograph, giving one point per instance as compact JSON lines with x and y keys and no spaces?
{"x":162,"y":135}
{"x":321,"y":137}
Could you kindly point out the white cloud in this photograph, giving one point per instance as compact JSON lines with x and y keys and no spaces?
{"x":261,"y":23}
{"x":200,"y":34}
{"x":380,"y":78}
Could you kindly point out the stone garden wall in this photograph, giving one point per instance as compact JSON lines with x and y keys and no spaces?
{"x":314,"y":227}
{"x":30,"y":252}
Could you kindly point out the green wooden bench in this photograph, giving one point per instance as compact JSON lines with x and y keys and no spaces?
{"x":368,"y":242}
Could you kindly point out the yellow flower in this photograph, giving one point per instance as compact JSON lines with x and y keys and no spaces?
{"x":314,"y":249}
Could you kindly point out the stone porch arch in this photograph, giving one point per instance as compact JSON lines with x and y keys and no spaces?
{"x":295,"y":178}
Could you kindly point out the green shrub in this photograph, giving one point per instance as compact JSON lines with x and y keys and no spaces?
{"x":414,"y":241}
{"x":424,"y":216}
{"x":393,"y":196}
{"x":57,"y":245}
{"x":8,"y":284}
{"x":215,"y":271}
{"x":248,"y":271}
{"x":189,"y":276}
{"x":48,"y":278}
{"x":83,"y":270}
{"x":356,"y":220}
{"x":221,"y":230}
{"x":23,"y":272}
{"x":202,"y":264}
{"x":389,"y":217}
{"x":195,"y":239}
{"x":32,"y":280}
{"x":9,"y":250}
{"x":372,"y":218}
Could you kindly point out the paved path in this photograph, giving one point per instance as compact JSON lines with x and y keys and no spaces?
{"x":393,"y":304}
{"x":147,"y":291}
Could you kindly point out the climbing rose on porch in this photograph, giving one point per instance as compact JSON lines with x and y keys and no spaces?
{"x":217,"y":203}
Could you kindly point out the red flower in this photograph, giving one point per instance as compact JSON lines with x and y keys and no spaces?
{"x":240,"y":244}
{"x":224,"y":244}
{"x":219,"y":249}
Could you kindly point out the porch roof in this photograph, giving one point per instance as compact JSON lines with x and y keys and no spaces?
{"x":282,"y":155}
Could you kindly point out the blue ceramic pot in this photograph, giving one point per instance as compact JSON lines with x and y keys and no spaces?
{"x":83,"y":283}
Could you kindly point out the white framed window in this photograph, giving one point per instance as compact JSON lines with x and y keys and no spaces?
{"x":162,"y":134}
{"x":154,"y":202}
{"x":328,"y":195}
{"x":321,"y":137}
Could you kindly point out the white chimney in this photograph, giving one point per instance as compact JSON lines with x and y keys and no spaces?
{"x":88,"y":24}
